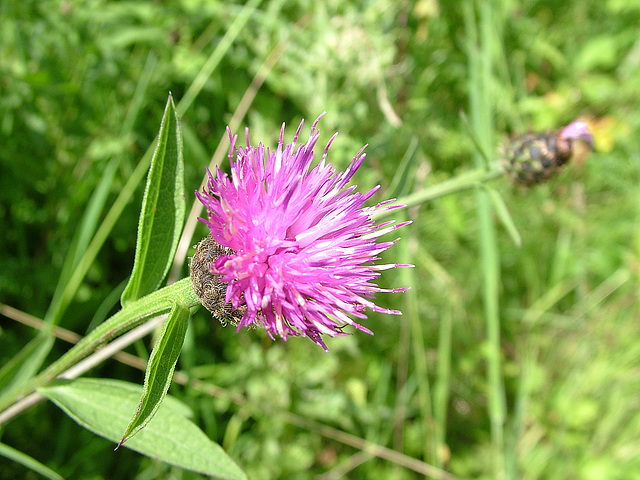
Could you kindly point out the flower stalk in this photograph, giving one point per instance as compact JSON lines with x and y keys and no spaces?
{"x":134,"y":314}
{"x":459,"y":183}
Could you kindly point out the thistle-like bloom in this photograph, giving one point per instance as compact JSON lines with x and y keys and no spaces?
{"x":300,"y":244}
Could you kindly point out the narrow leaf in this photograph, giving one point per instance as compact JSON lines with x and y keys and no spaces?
{"x":160,"y":369}
{"x":101,"y":405}
{"x":31,"y":463}
{"x":25,"y":364}
{"x":163,"y":211}
{"x":401,"y":182}
{"x":503,"y":214}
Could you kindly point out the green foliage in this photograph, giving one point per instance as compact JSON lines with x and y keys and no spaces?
{"x":162,"y":214}
{"x":162,"y":363}
{"x":102,"y":406}
{"x":82,"y":88}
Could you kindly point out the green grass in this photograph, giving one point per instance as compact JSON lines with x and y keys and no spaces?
{"x":514,"y":363}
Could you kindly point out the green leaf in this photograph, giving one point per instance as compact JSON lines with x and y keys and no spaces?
{"x":160,"y":369}
{"x":32,"y":464}
{"x":101,"y":405}
{"x":503,"y":214}
{"x":403,"y":178}
{"x":163,"y":211}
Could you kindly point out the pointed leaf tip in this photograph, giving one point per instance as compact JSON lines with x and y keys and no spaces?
{"x":160,"y":369}
{"x":163,"y":211}
{"x":503,"y":214}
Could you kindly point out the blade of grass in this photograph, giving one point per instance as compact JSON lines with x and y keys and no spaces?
{"x":401,"y":181}
{"x":32,"y":464}
{"x":452,"y":309}
{"x":518,"y":423}
{"x":404,"y":340}
{"x":480,"y":54}
{"x":410,"y":311}
{"x":12,"y":371}
{"x":222,"y":47}
{"x":442,"y":384}
{"x":501,"y":210}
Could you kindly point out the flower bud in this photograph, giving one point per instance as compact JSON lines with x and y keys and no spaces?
{"x":534,"y":157}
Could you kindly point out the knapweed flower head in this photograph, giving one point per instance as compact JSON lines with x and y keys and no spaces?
{"x":299,"y":244}
{"x":536,"y":156}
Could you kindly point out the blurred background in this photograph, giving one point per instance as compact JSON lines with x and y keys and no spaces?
{"x":508,"y":362}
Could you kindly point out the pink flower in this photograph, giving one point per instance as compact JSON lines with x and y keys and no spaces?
{"x":304,"y":244}
{"x":578,"y":130}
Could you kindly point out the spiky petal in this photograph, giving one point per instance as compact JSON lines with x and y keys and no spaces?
{"x":302,"y":245}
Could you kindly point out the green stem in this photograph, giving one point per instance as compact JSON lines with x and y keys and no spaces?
{"x":131,"y":316}
{"x":456,"y":184}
